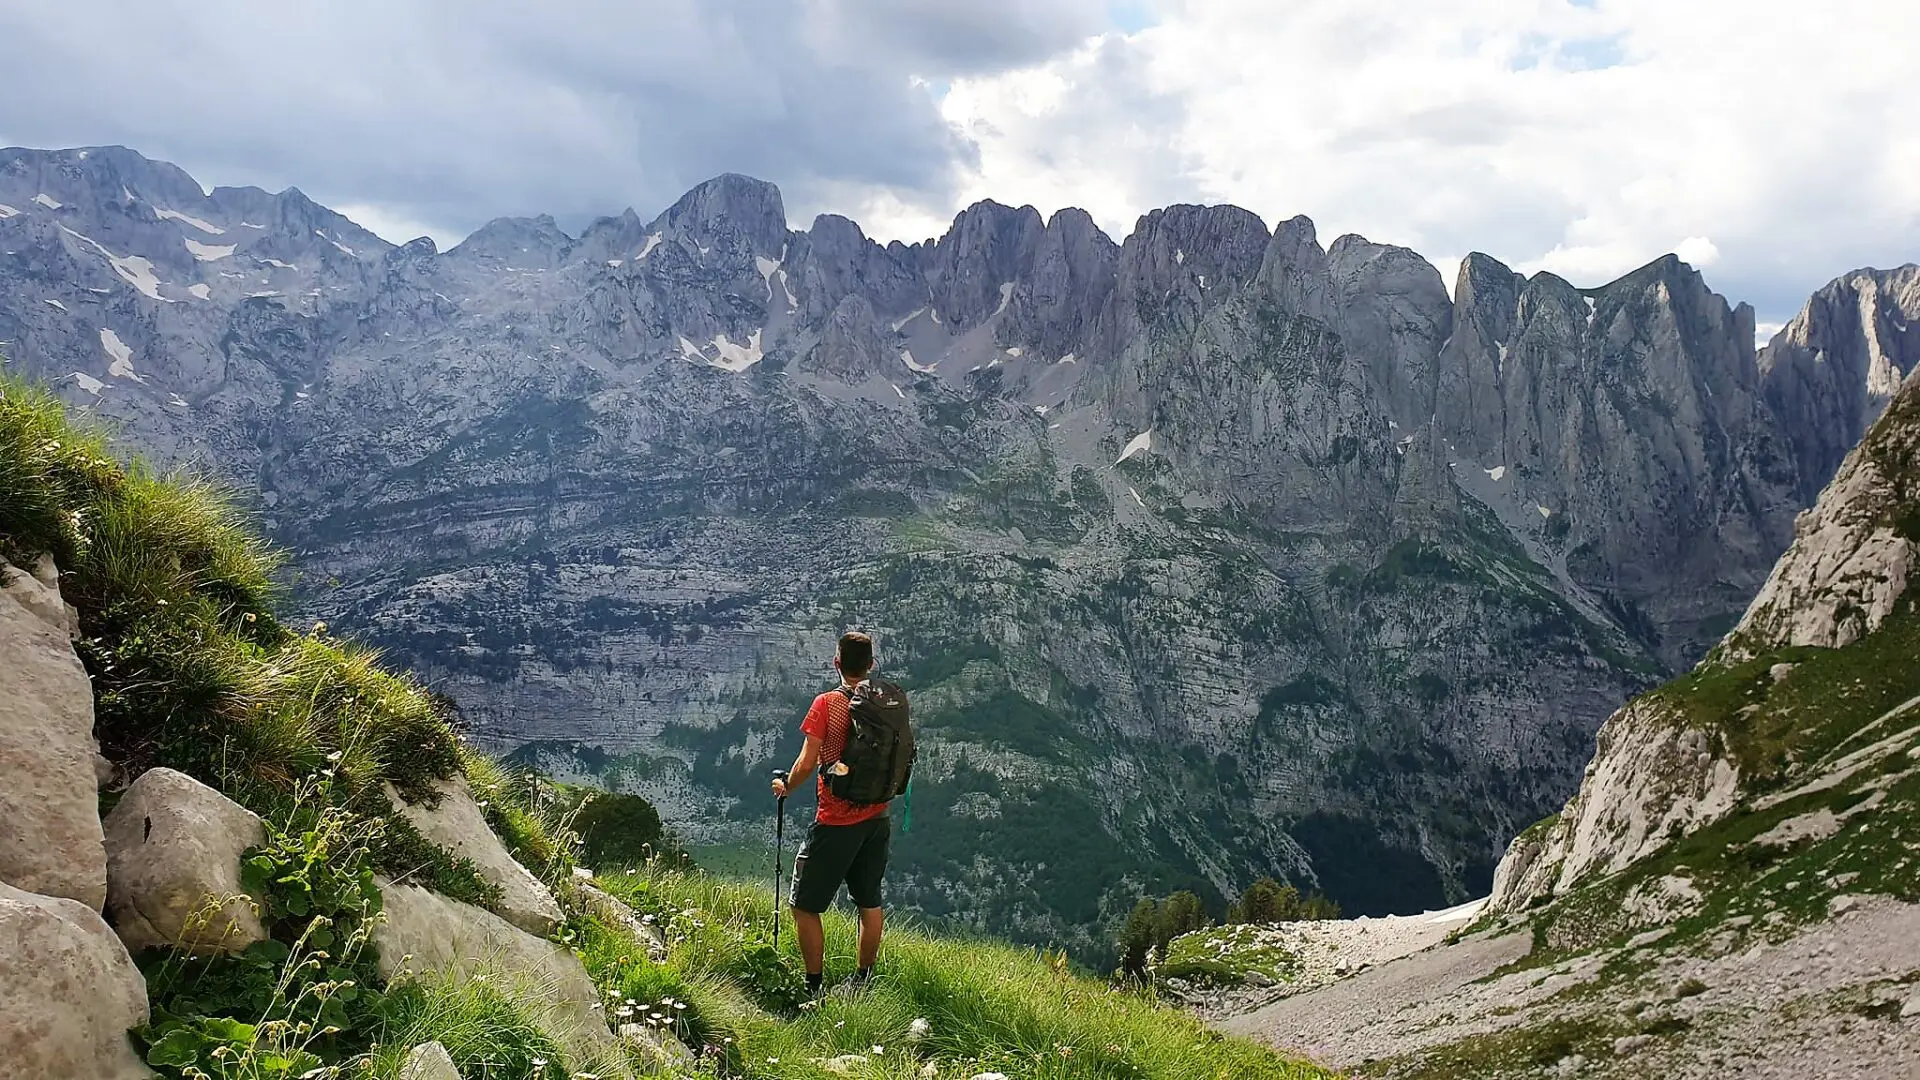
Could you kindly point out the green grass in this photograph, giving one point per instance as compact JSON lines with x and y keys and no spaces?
{"x":176,"y":597}
{"x":988,"y":1006}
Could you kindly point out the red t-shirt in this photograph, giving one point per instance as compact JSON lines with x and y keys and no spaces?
{"x":827,"y":721}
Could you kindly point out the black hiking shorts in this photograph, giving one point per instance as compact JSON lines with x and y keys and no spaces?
{"x":854,"y":854}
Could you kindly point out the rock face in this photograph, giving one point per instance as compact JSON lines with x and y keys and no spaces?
{"x":1657,"y":774}
{"x":425,"y":933}
{"x":68,"y":992}
{"x":456,"y":824}
{"x":1852,"y":553}
{"x":50,"y":841}
{"x":173,"y":866}
{"x":1351,"y":569}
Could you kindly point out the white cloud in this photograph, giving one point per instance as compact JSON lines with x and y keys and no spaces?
{"x":395,"y":227}
{"x":1584,"y":139}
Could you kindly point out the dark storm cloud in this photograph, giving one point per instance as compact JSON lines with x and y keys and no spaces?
{"x":449,"y":113}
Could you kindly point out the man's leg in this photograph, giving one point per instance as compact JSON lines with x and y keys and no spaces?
{"x":817,"y":872}
{"x":863,"y":885}
{"x":813,"y":941}
{"x":873,"y":923}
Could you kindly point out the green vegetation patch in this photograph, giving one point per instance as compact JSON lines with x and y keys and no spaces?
{"x":1226,"y":956}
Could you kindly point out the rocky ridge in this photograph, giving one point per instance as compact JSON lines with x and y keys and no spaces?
{"x":614,"y":491}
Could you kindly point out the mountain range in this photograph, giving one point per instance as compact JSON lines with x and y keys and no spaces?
{"x":1206,"y":554}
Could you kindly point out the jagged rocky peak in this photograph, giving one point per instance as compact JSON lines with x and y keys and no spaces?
{"x":1843,"y":354}
{"x":1394,"y":314}
{"x":1294,"y":270}
{"x":835,"y":259}
{"x":736,"y":214}
{"x":972,"y":271}
{"x":1072,"y":274}
{"x":611,"y":240}
{"x":91,"y":176}
{"x":1468,"y":391}
{"x":1197,"y":248}
{"x":534,"y":243}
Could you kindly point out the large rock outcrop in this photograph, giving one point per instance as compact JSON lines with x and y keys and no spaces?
{"x":68,"y":993}
{"x":426,"y":934}
{"x":454,"y":821}
{"x":1657,"y":773}
{"x":50,"y":839}
{"x":173,"y":866}
{"x":1853,"y":553}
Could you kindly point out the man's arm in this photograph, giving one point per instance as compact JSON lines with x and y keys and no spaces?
{"x":803,"y":767}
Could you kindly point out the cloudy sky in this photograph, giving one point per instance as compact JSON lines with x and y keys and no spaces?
{"x":1769,"y":142}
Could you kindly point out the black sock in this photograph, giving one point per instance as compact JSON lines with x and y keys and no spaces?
{"x":863,"y":975}
{"x":813,"y":981}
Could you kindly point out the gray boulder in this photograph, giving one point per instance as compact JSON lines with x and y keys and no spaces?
{"x":50,"y":839}
{"x":68,"y":992}
{"x":173,"y":866}
{"x":429,"y":1061}
{"x":457,"y":824}
{"x":425,"y":934}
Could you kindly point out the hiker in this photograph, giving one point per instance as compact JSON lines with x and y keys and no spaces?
{"x":858,"y":778}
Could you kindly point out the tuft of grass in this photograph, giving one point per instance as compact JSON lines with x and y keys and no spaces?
{"x":486,"y":1031}
{"x":176,"y":597}
{"x":987,"y":1006}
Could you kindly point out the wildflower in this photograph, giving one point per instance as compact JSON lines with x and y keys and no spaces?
{"x":919,"y":1029}
{"x":250,"y":616}
{"x":539,"y":1063}
{"x":319,"y":628}
{"x":878,"y":1050}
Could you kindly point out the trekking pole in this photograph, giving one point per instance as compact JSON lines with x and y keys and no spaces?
{"x":779,"y":851}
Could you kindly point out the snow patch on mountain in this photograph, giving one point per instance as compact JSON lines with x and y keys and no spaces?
{"x":737,"y":357}
{"x":207,"y":252}
{"x":121,"y":355}
{"x":653,"y":241}
{"x":7,"y":212}
{"x":199,"y":292}
{"x":47,"y":201}
{"x":137,"y":271}
{"x":906,"y":357}
{"x":57,"y":303}
{"x":88,"y":383}
{"x":1140,"y":443}
{"x":206,"y":227}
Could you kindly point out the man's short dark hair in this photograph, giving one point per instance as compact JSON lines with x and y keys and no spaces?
{"x":856,"y":653}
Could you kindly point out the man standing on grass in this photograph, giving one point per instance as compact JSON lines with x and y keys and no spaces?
{"x":848,"y":843}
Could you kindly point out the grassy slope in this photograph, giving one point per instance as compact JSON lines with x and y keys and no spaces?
{"x":988,"y":1006}
{"x":192,"y":670}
